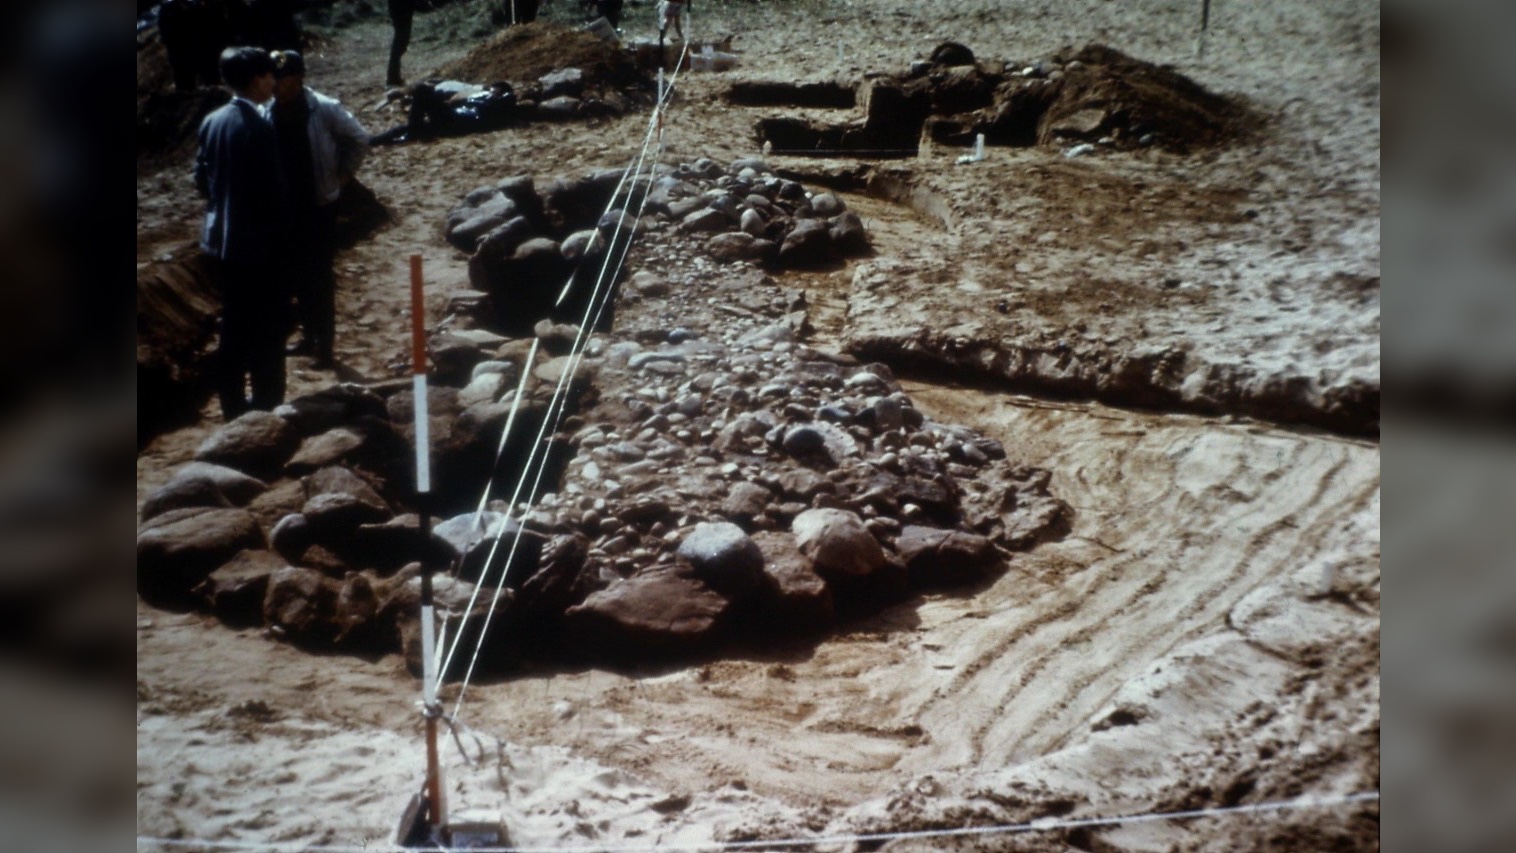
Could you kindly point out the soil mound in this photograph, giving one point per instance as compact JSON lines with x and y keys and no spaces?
{"x":1095,"y":95}
{"x":523,"y":53}
{"x":1106,"y":94}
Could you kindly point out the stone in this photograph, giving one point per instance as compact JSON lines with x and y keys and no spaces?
{"x":537,"y":247}
{"x":179,"y":548}
{"x":452,"y":357}
{"x":804,"y":484}
{"x":181,"y":494}
{"x":848,"y":234}
{"x":826,"y":205}
{"x":706,"y":220}
{"x":800,"y":601}
{"x":561,"y":108}
{"x":564,"y":81}
{"x":235,"y":486}
{"x":508,"y":369}
{"x":837,"y":543}
{"x":483,"y":388}
{"x":337,"y":405}
{"x":654,"y":613}
{"x":470,"y":538}
{"x":502,"y":240}
{"x":809,"y":243}
{"x":752,"y":223}
{"x":722,"y":556}
{"x":291,"y":536}
{"x":340,"y":500}
{"x":256,"y":443}
{"x":735,"y":246}
{"x":648,"y":284}
{"x":328,"y":448}
{"x":302,"y":604}
{"x":559,"y":582}
{"x":745,"y":502}
{"x":935,"y":557}
{"x":557,"y":339}
{"x":581,"y":244}
{"x":235,"y":592}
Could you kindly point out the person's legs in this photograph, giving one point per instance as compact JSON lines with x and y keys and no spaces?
{"x":234,"y":350}
{"x":401,"y":12}
{"x":320,"y":318}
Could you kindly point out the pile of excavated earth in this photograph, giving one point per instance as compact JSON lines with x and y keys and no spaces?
{"x":696,"y":480}
{"x":1095,"y":95}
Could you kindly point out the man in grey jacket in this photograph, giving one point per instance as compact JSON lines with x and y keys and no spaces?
{"x":237,"y":170}
{"x":322,"y":146}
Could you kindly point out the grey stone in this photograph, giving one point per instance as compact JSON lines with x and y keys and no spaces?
{"x":837,"y":542}
{"x":255,"y":443}
{"x":706,"y":220}
{"x":801,"y":600}
{"x":752,"y":223}
{"x":810,"y":242}
{"x":560,"y":108}
{"x":745,"y":502}
{"x":179,"y":548}
{"x":848,"y":234}
{"x":181,"y":493}
{"x":736,"y":246}
{"x":826,"y":205}
{"x":237,"y":487}
{"x":935,"y":557}
{"x":564,"y":81}
{"x":654,"y":612}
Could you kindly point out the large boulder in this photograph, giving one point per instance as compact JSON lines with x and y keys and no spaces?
{"x":799,"y":600}
{"x":654,"y":613}
{"x":181,"y":494}
{"x":301,"y":605}
{"x":235,"y":591}
{"x":559,"y":584}
{"x":331,"y":407}
{"x":936,"y":557}
{"x":256,"y":443}
{"x":178,"y":549}
{"x":722,"y":556}
{"x":339,"y":500}
{"x":471,"y":539}
{"x":837,"y":543}
{"x":237,"y":487}
{"x":809,"y":243}
{"x":745,"y":502}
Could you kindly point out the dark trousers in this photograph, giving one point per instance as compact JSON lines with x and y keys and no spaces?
{"x":254,"y":323}
{"x":313,"y":280}
{"x":401,"y":12}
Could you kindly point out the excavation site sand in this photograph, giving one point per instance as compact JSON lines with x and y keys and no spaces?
{"x":1185,"y":338}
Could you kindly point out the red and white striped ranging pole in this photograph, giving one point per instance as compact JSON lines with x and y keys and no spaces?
{"x":436,"y":812}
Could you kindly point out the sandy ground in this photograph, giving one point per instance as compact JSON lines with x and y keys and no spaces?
{"x":1207,"y":635}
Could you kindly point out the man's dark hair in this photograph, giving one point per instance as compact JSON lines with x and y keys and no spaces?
{"x":241,"y":65}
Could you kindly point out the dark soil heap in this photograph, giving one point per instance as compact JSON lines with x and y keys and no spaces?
{"x":1092,"y":95}
{"x":523,"y":53}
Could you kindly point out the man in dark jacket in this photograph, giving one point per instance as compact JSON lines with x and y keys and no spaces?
{"x":237,"y":170}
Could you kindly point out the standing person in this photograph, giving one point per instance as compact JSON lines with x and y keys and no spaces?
{"x":321,"y":146}
{"x":271,"y":24}
{"x":401,"y":13}
{"x":671,"y":12}
{"x":237,"y":170}
{"x":193,"y":32}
